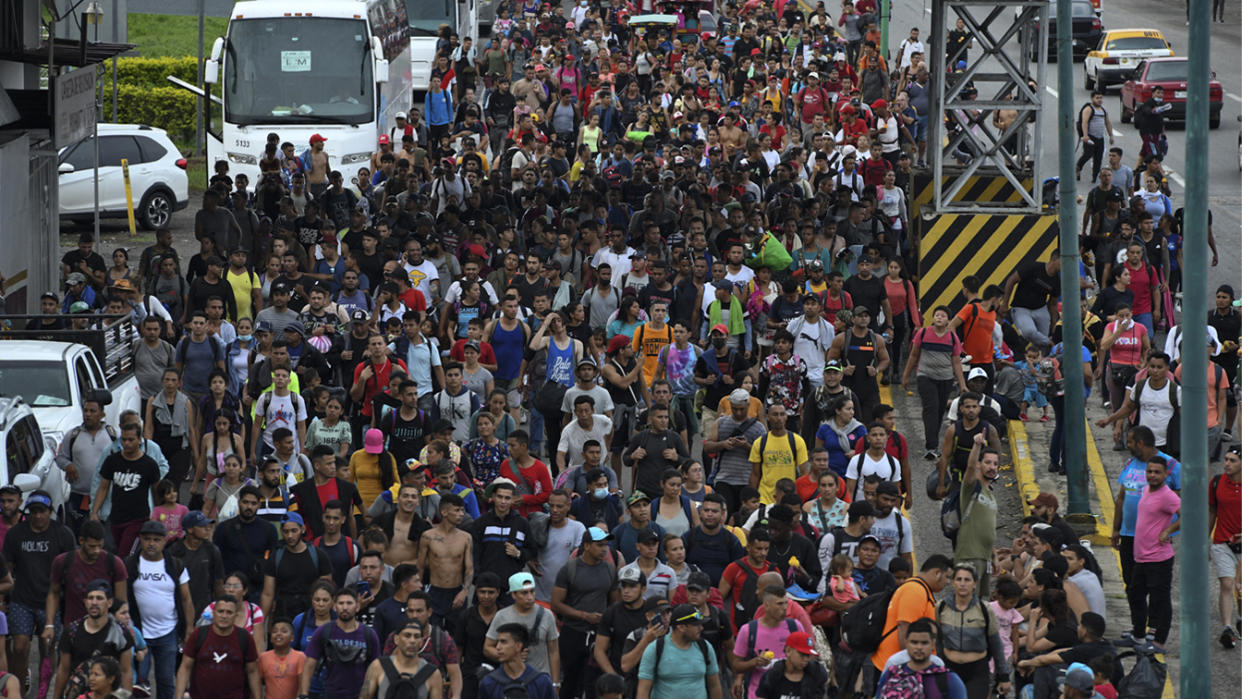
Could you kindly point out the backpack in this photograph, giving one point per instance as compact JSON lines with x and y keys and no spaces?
{"x":314,"y":555}
{"x":318,"y":541}
{"x":862,"y":625}
{"x":78,"y":677}
{"x":1174,"y":430}
{"x":403,"y":686}
{"x":904,"y":683}
{"x":243,"y":638}
{"x":1145,"y":680}
{"x":1078,"y":119}
{"x":265,"y":401}
{"x":506,"y":164}
{"x":217,"y":349}
{"x":659,"y":651}
{"x":748,"y":598}
{"x":892,"y":466}
{"x":571,"y":568}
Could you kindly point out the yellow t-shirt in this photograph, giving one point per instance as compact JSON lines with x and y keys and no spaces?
{"x":652,"y":341}
{"x":364,"y":470}
{"x":777,"y":462}
{"x":243,"y":285}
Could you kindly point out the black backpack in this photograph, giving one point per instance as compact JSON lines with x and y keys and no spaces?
{"x":403,"y":686}
{"x":862,"y":626}
{"x":659,"y":651}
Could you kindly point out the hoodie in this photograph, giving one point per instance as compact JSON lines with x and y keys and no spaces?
{"x":537,"y":684}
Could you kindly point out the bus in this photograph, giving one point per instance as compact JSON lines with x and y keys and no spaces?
{"x":425,"y":18}
{"x":337,"y":68}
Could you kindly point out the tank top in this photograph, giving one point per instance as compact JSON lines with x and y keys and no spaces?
{"x":860,"y":351}
{"x":560,"y":363}
{"x":508,"y":345}
{"x":963,"y":442}
{"x":1095,"y":125}
{"x":621,"y":395}
{"x":563,"y":118}
{"x":677,"y":524}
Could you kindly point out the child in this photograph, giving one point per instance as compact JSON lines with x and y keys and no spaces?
{"x":220,"y":499}
{"x":329,"y":429}
{"x":610,"y":686}
{"x":1102,"y":667}
{"x":168,"y":512}
{"x":750,"y":503}
{"x":900,"y":569}
{"x":842,"y":582}
{"x":1006,"y":597}
{"x":120,"y":612}
{"x":1031,"y":393}
{"x":281,"y":667}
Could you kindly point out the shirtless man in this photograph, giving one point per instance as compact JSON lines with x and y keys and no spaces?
{"x":403,"y":542}
{"x":446,"y":556}
{"x":733,"y":138}
{"x":318,"y":175}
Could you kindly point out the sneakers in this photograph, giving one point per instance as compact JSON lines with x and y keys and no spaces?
{"x":1229,"y":638}
{"x":929,"y":455}
{"x":1023,"y":417}
{"x":1044,"y":418}
{"x":1126,"y":640}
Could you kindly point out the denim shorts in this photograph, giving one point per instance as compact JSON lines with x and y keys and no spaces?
{"x":25,"y":621}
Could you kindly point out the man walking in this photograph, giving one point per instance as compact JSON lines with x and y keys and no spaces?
{"x":344,"y":647}
{"x":1094,"y":128}
{"x":1225,"y":523}
{"x":220,"y":660}
{"x":1151,"y":582}
{"x":977,"y":532}
{"x":584,"y":589}
{"x":679,"y":664}
{"x":159,"y":587}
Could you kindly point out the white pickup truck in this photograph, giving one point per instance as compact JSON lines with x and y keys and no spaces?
{"x":55,"y":370}
{"x":28,"y":456}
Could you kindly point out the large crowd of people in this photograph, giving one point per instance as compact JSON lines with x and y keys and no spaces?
{"x":575,"y":390}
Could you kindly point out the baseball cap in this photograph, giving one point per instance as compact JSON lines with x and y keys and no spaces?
{"x":653,"y":604}
{"x":293,"y":517}
{"x":521,"y":581}
{"x":1080,"y":678}
{"x":296,"y":327}
{"x":720,"y":328}
{"x":699,"y":581}
{"x":648,"y":536}
{"x":263,"y":326}
{"x":977,"y":373}
{"x":79,"y":307}
{"x":373,"y":441}
{"x":739,"y":396}
{"x":637,"y":496}
{"x":870,"y":537}
{"x":358,"y":316}
{"x":685,"y":614}
{"x":801,"y":641}
{"x":316,"y":138}
{"x":195,"y":518}
{"x":472,"y":344}
{"x":49,"y":295}
{"x":75,"y":278}
{"x":38,"y":498}
{"x":597,"y":534}
{"x":812,"y":76}
{"x":833,"y":365}
{"x":879,"y":104}
{"x":152,"y":527}
{"x":631,"y":576}
{"x":401,"y":115}
{"x":384,"y":140}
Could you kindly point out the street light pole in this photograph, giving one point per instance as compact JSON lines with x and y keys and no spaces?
{"x":1073,"y":414}
{"x":1196,"y":675}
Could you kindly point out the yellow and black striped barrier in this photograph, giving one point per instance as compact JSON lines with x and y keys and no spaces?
{"x":993,"y":189}
{"x":987,"y":246}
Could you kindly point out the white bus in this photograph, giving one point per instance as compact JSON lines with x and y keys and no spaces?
{"x":337,"y":68}
{"x":426,"y":18}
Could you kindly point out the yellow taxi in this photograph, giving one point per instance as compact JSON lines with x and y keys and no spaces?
{"x":1119,"y":53}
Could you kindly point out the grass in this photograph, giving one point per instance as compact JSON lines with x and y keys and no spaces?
{"x":196,"y":168}
{"x":172,"y":35}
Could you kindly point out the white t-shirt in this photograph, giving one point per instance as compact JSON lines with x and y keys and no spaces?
{"x":908,"y":49}
{"x":454,"y":291}
{"x":619,"y":262}
{"x":282,"y":411}
{"x":741,"y":277}
{"x":886,"y":531}
{"x":156,"y":595}
{"x":1155,"y":410}
{"x":562,"y":543}
{"x":574,"y":436}
{"x":659,"y":583}
{"x":422,"y":276}
{"x":862,"y":465}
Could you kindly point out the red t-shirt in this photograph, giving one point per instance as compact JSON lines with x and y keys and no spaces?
{"x":486,"y":354}
{"x":737,"y":580}
{"x":1142,"y":285}
{"x":536,"y":481}
{"x":1226,"y":497}
{"x":219,"y":663}
{"x":896,"y":446}
{"x":414,"y":300}
{"x":808,"y":489}
{"x":82,"y":574}
{"x":328,"y":492}
{"x":377,"y":382}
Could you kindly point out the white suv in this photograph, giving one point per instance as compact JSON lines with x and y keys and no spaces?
{"x":156,"y":171}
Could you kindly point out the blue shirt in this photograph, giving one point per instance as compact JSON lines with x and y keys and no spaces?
{"x":420,"y":359}
{"x":1134,"y":478}
{"x":681,"y":672}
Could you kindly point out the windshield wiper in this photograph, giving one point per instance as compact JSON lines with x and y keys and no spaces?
{"x":420,"y":31}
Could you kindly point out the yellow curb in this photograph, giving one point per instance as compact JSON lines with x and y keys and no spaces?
{"x":1023,"y":464}
{"x":1103,"y":493}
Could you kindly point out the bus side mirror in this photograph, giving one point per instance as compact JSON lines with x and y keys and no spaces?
{"x":211,"y":66}
{"x":381,"y":63}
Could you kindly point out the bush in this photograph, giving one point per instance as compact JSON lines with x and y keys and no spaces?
{"x":151,"y":72}
{"x":169,"y":108}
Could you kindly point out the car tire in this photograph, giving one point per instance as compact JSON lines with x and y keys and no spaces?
{"x":1214,"y":121}
{"x":1087,"y":83}
{"x":1125,"y":115}
{"x":156,"y":209}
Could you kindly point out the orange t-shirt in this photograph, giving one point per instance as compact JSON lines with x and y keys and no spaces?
{"x":281,"y":675}
{"x":977,"y":325}
{"x":1216,"y":376}
{"x":912,"y":601}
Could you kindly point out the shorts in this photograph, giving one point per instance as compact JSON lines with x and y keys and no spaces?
{"x":512,"y":389}
{"x":623,"y":419}
{"x":1224,"y":561}
{"x":920,"y":129}
{"x":24,"y":621}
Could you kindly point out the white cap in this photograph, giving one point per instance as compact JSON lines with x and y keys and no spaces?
{"x":813,"y":74}
{"x":977,"y":373}
{"x":739,"y":397}
{"x":402,"y":115}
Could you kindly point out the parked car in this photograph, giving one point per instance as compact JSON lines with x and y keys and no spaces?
{"x":1169,"y":73}
{"x":29,"y":456}
{"x":1118,"y":52}
{"x":1087,"y":29}
{"x":157,"y":174}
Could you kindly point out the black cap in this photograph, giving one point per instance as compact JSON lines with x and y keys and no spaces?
{"x":648,"y":536}
{"x":699,"y":581}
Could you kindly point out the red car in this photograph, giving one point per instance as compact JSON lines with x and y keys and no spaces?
{"x":1170,"y":73}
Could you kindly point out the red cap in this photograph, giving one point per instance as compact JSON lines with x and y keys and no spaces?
{"x":383,"y":140}
{"x":617,"y":343}
{"x":317,"y":139}
{"x":476,"y":250}
{"x":720,"y":328}
{"x":802,"y":642}
{"x":847,"y":109}
{"x":755,"y":52}
{"x":879,"y":104}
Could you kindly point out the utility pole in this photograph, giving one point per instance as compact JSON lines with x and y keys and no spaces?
{"x":886,"y":13}
{"x":1196,"y":675}
{"x":1073,"y":414}
{"x":198,"y":118}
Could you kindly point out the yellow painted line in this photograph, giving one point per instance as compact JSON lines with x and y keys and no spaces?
{"x":886,"y":397}
{"x":1103,"y":491}
{"x":1023,"y":464}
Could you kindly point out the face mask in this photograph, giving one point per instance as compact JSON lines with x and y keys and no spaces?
{"x":599,"y":493}
{"x":245,"y":338}
{"x":1158,"y":99}
{"x":719,"y":342}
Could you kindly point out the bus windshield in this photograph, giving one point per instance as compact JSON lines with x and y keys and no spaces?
{"x":426,"y":16}
{"x":289,"y":70}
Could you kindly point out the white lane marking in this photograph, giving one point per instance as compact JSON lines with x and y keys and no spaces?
{"x":1232,"y":96}
{"x":1176,"y":178}
{"x":1052,"y":91}
{"x":1116,"y":134}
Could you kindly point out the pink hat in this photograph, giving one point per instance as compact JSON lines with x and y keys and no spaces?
{"x":374,"y":441}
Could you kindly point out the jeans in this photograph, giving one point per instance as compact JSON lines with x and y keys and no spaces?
{"x":1145,"y":320}
{"x":577,"y":674}
{"x":935,"y":396}
{"x":1151,"y":604}
{"x":1126,"y":552}
{"x":1034,"y":324}
{"x":537,"y":428}
{"x":1093,"y":151}
{"x":162,"y":655}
